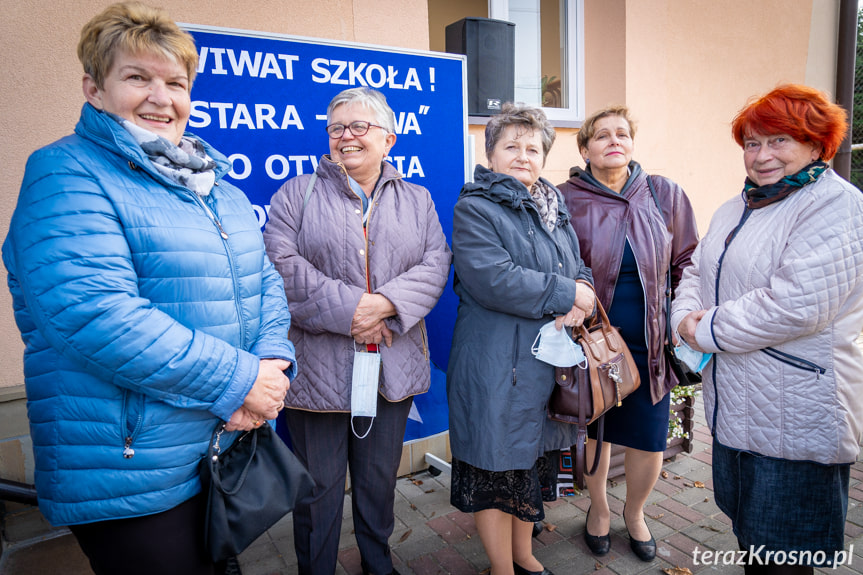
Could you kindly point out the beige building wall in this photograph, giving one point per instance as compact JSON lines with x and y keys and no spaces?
{"x":691,"y":65}
{"x":683,"y":66}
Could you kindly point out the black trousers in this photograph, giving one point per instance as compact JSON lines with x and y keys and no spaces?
{"x":325,"y":443}
{"x":167,"y":543}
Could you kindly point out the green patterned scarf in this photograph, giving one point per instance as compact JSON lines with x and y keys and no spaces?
{"x":758,"y":197}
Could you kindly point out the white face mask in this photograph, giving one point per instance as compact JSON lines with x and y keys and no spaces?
{"x":694,"y":360}
{"x":555,"y":346}
{"x":364,"y":387}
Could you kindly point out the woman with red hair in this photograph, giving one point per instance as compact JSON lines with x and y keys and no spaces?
{"x":775,"y":292}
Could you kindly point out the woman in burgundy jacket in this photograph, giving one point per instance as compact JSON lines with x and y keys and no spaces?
{"x":629,"y":245}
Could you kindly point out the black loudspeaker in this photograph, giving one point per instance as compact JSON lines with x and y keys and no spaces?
{"x":490,"y":49}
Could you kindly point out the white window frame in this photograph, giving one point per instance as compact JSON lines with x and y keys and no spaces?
{"x":573,"y":64}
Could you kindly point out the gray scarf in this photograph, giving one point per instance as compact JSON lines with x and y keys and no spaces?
{"x":187,"y":164}
{"x":546,"y":202}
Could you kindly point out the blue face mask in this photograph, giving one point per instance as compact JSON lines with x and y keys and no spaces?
{"x":694,"y":360}
{"x":555,"y":347}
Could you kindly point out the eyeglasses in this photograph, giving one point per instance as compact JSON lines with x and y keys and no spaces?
{"x":358,"y":128}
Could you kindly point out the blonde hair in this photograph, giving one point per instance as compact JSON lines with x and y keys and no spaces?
{"x":134,"y":28}
{"x":588,"y":128}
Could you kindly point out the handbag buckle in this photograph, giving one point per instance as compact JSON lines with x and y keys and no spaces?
{"x":614,"y":375}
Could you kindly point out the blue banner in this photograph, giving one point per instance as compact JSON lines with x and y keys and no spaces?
{"x":261,"y":99}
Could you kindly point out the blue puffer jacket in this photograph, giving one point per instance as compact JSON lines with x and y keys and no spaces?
{"x":143,"y":322}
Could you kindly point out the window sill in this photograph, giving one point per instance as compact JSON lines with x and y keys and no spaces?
{"x":483,"y":120}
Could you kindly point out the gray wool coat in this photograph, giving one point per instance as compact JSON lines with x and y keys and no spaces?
{"x":323,"y":256}
{"x":512,"y":276}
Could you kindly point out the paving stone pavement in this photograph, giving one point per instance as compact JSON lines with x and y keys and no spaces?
{"x":431,"y":537}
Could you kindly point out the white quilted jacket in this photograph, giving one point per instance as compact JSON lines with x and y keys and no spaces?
{"x":784,"y":306}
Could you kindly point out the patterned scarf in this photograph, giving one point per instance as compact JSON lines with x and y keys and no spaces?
{"x":546,"y":202}
{"x":758,"y":197}
{"x":187,"y":164}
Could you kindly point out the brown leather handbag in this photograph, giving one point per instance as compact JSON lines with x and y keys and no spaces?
{"x":583,"y":395}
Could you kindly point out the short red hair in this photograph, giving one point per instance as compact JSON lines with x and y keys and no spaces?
{"x":802,"y":112}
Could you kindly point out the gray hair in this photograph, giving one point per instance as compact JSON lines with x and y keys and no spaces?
{"x":532,"y":119}
{"x":372,"y":100}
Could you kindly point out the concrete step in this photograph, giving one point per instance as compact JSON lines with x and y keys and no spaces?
{"x":31,"y":546}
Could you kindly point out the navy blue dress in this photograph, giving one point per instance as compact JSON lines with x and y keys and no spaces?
{"x":637,"y":423}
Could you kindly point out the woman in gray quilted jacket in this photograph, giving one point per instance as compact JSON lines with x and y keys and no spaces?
{"x":364,"y":260}
{"x":775,"y":292}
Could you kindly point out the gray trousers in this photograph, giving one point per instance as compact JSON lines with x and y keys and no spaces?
{"x":325,"y":443}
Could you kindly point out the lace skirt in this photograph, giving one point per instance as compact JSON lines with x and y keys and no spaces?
{"x":519,"y":492}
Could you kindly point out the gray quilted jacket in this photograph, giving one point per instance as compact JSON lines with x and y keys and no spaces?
{"x":785,"y":305}
{"x":322,"y":254}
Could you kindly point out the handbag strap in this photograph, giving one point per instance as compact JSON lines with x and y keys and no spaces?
{"x":580,"y":466}
{"x":309,"y":187}
{"x":668,"y":281}
{"x":600,"y":319}
{"x":213,"y":452}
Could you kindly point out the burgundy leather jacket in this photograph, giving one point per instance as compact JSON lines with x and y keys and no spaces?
{"x":603,"y":219}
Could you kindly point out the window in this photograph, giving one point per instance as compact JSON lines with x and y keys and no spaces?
{"x":549,"y":54}
{"x":549,"y":48}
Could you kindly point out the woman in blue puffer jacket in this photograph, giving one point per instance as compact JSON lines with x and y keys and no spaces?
{"x":146,"y":301}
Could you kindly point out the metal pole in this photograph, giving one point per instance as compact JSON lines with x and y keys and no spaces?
{"x":18,"y":492}
{"x":845,"y":79}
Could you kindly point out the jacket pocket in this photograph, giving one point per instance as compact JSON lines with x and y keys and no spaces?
{"x":794,"y":361}
{"x":514,"y":355}
{"x":131,"y":420}
{"x":424,"y":338}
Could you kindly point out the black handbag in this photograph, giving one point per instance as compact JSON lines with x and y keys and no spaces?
{"x":248,"y":488}
{"x":681,"y":371}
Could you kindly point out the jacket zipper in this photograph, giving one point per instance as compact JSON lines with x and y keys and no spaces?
{"x":641,"y":281}
{"x":794,"y":361}
{"x":368,"y":219}
{"x":212,"y":216}
{"x":365,"y":219}
{"x":514,"y":355}
{"x":131,"y":429}
{"x":531,"y":231}
{"x":733,"y":234}
{"x":233,"y":264}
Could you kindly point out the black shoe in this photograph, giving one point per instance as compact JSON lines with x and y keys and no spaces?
{"x":519,"y":570}
{"x":599,"y":545}
{"x":644,"y":550}
{"x":367,"y":572}
{"x":230,"y":566}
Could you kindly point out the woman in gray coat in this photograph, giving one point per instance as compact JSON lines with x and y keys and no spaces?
{"x":364,"y":260}
{"x":517,"y":267}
